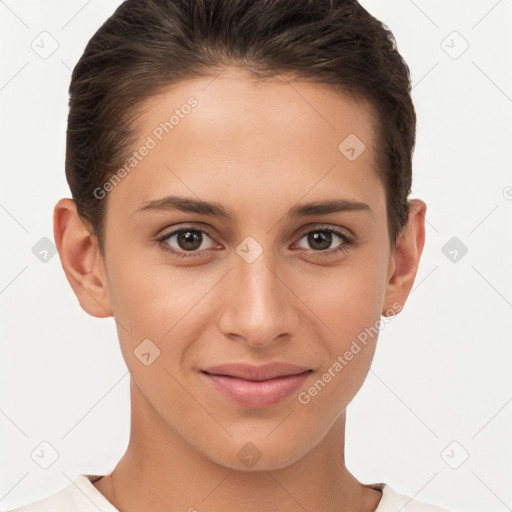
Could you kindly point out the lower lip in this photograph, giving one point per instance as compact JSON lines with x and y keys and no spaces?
{"x":257,"y":394}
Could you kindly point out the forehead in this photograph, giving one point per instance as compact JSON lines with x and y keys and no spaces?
{"x":235,"y":103}
{"x":235,"y":138}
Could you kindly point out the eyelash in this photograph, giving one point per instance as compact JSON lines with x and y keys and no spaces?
{"x":344,"y":247}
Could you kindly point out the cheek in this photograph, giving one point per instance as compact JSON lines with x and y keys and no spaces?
{"x":350,"y":315}
{"x":350,"y":298}
{"x":152,"y":294}
{"x":349,"y":306}
{"x":166,"y":305}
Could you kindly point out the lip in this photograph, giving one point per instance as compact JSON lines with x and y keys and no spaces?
{"x":257,"y":386}
{"x":251,"y":372}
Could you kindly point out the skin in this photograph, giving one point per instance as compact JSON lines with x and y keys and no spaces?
{"x":258,"y":148}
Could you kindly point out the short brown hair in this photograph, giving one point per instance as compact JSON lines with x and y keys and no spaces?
{"x":147,"y":45}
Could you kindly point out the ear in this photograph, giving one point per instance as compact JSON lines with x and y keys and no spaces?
{"x":81,"y":260}
{"x":405,"y":259}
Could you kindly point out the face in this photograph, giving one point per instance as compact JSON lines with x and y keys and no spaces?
{"x":271,"y":280}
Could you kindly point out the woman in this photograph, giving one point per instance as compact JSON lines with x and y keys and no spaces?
{"x":240,"y":172}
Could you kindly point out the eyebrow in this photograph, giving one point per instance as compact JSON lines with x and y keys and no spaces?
{"x":214,"y":209}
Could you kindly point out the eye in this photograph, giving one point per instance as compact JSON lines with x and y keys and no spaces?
{"x":321,"y":239}
{"x":189,"y":242}
{"x":185,"y":242}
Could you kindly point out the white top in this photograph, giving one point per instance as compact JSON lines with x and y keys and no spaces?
{"x":82,"y":496}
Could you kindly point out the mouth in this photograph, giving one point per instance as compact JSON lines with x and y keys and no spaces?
{"x":251,"y":372}
{"x":258,"y":392}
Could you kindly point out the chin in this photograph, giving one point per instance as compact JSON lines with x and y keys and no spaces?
{"x":258,"y":454}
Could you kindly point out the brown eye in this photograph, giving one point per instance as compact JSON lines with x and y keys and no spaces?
{"x":189,"y":240}
{"x":185,"y":240}
{"x":321,"y":240}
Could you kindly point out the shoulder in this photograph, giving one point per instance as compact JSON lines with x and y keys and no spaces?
{"x":392,"y":501}
{"x":78,"y":496}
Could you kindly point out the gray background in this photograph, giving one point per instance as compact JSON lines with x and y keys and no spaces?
{"x":434,"y":416}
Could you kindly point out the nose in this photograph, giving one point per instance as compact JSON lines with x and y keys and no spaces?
{"x":257,"y":304}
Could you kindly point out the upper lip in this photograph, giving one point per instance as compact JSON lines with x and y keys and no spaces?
{"x":250,"y":372}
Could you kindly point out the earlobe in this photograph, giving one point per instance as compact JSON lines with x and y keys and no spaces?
{"x":81,"y":260}
{"x":406,"y":258}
